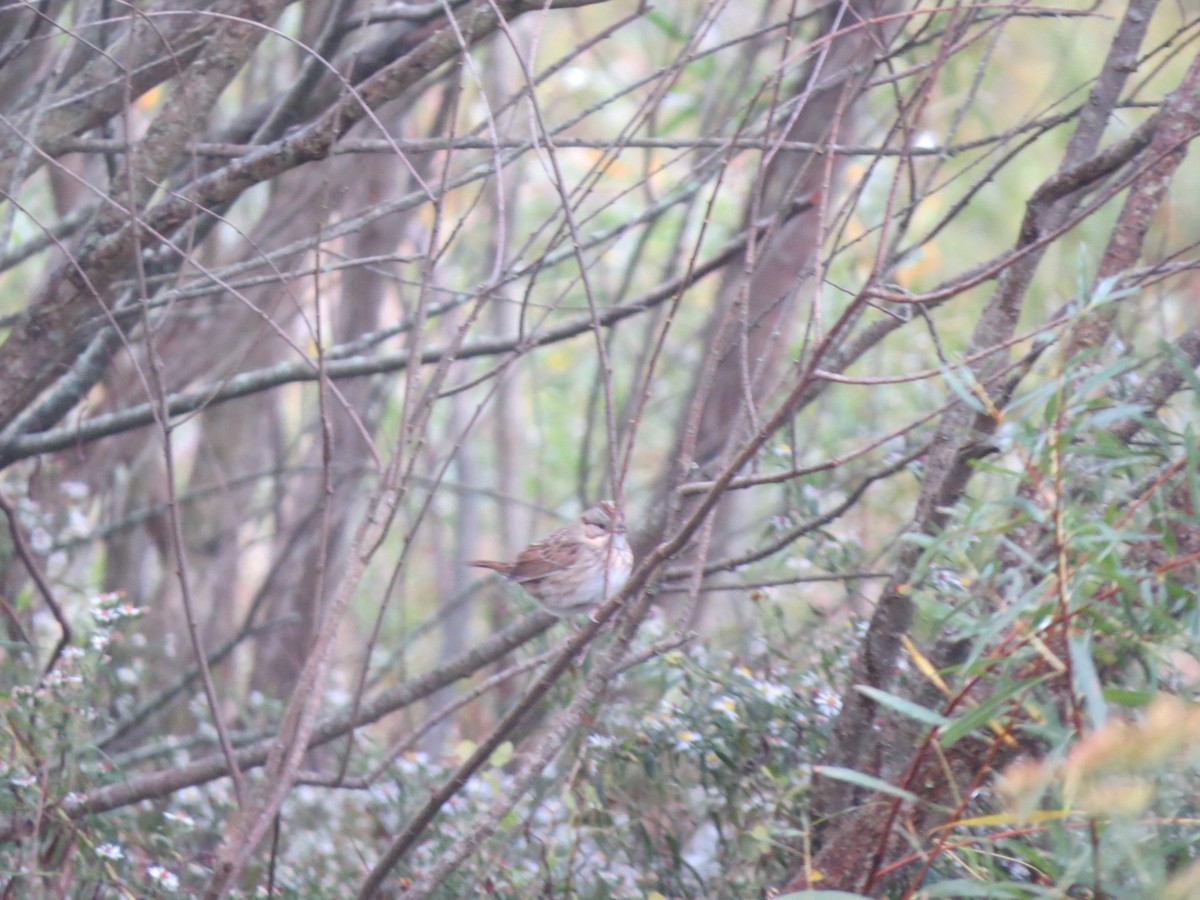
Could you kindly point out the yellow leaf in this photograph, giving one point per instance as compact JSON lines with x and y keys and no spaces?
{"x":501,"y":755}
{"x":1041,"y":815}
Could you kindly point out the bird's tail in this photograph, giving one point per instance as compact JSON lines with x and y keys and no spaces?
{"x":502,"y":567}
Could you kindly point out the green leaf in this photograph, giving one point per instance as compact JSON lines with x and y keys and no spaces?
{"x":870,"y":782}
{"x":1121,"y":411}
{"x":665,"y":25}
{"x":1128,"y":697}
{"x":961,"y":887}
{"x":1183,"y":366}
{"x":501,"y":755}
{"x":1105,"y":375}
{"x":961,"y":383}
{"x":1107,"y":291}
{"x":985,"y":711}
{"x":905,"y":707}
{"x":1086,"y":678}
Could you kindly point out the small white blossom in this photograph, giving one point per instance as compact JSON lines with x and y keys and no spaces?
{"x":727,"y":706}
{"x":925,"y":140}
{"x":385,"y":792}
{"x":652,"y":722}
{"x":684,"y":740}
{"x":40,"y":541}
{"x":76,"y":490}
{"x":412,"y":763}
{"x":772,"y":692}
{"x":828,"y":702}
{"x":180,"y":819}
{"x":166,"y":879}
{"x":110,"y":851}
{"x":576,"y":77}
{"x":58,"y":677}
{"x":77,"y":523}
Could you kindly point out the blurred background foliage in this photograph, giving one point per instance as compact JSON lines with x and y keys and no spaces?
{"x":956,"y":582}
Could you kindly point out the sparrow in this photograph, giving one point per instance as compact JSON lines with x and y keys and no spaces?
{"x":575,"y":568}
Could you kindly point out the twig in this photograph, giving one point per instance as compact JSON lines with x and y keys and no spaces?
{"x":25,"y":552}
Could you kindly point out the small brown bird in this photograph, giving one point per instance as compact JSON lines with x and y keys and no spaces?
{"x":576,"y":567}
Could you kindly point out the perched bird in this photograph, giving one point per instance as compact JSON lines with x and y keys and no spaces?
{"x":575,"y":568}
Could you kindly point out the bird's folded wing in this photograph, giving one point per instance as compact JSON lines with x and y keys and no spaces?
{"x":536,"y":562}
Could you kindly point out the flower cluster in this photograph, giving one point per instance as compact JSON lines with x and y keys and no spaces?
{"x":111,"y":607}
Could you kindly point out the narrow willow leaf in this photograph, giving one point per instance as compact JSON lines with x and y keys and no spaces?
{"x":1087,"y":679}
{"x":904,"y":707}
{"x":870,"y":782}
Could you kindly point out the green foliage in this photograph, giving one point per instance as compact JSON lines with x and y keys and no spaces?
{"x":1063,"y":587}
{"x":696,"y":786}
{"x":53,"y":758}
{"x":1078,"y":609}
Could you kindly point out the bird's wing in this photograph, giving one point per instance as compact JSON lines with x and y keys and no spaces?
{"x":536,"y":561}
